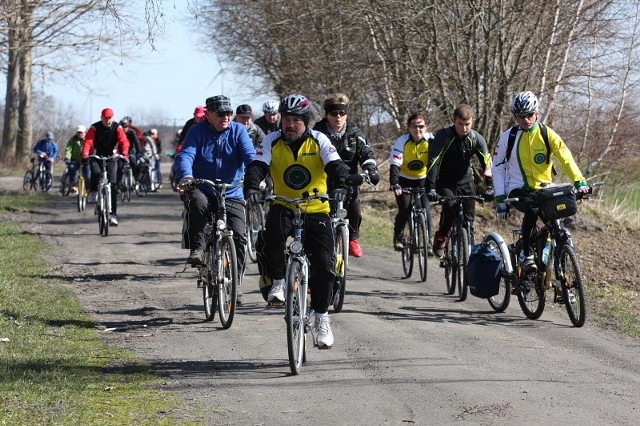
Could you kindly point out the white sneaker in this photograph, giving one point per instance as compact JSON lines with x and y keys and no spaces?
{"x":276,"y":294}
{"x":93,"y":196}
{"x":325,"y":336}
{"x":113,"y":221}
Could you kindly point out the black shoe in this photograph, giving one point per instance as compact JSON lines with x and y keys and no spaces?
{"x":529,"y":265}
{"x":196,"y":258}
{"x":239,"y":297}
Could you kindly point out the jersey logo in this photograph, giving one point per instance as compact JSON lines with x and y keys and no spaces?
{"x":539,"y":158}
{"x":297,"y":176}
{"x":415,"y":165}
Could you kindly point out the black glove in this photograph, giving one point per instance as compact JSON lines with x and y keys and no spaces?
{"x":374,"y":177}
{"x":395,"y":187}
{"x":254,"y":196}
{"x":433,"y":196}
{"x":339,"y":195}
{"x":489,"y":193}
{"x":186,"y":183}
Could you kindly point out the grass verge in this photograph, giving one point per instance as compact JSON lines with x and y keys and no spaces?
{"x":53,"y":367}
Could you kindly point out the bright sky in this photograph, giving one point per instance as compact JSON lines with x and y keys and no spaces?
{"x":167,"y":83}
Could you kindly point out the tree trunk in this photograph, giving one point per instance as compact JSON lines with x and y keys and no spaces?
{"x":11,"y":129}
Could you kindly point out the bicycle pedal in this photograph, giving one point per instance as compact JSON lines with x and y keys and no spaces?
{"x":275,"y":304}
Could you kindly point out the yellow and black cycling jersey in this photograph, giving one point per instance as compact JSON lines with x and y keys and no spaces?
{"x":411,"y":157}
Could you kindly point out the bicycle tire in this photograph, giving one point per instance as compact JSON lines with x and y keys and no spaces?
{"x":153,"y":180}
{"x":28,"y":181}
{"x":129,"y":184}
{"x":99,"y":212}
{"x":449,"y":260}
{"x":227,"y":280}
{"x":63,"y":184}
{"x":341,"y":247}
{"x":572,"y":282}
{"x":82,"y":195}
{"x":407,"y":248}
{"x":295,"y":314}
{"x":463,"y":259}
{"x":47,"y":182}
{"x":422,"y":246}
{"x":500,"y":302}
{"x":107,"y":209}
{"x":255,"y":224}
{"x":209,"y":288}
{"x":531,"y":294}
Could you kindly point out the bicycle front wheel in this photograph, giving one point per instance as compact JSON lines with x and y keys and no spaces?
{"x":407,"y":248}
{"x":82,"y":193}
{"x":100,"y":213}
{"x":209,"y":287}
{"x":227,"y":281}
{"x":255,"y":223}
{"x":106,"y":212}
{"x":572,"y":282}
{"x":422,"y":246}
{"x":461,"y":265}
{"x":28,"y":181}
{"x":531,"y":292}
{"x":500,"y":301}
{"x":47,"y":181}
{"x":448,"y":262}
{"x":295,"y":315}
{"x":341,"y":249}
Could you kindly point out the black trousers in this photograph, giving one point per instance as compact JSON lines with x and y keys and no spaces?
{"x":527,"y":204}
{"x":318,"y":245}
{"x":198,"y":207}
{"x":450,"y":189}
{"x":404,"y":207}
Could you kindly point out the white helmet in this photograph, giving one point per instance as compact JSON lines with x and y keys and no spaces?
{"x":524,"y":103}
{"x":270,"y":107}
{"x":81,"y":128}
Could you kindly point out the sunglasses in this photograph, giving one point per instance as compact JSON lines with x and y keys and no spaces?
{"x":419,"y":127}
{"x":525,"y":115}
{"x":338,"y":113}
{"x":224,"y":114}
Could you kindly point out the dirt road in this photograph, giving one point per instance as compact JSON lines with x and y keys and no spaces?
{"x":404,"y":351}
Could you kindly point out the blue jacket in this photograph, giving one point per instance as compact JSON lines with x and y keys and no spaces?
{"x":209,"y":154}
{"x":48,"y":147}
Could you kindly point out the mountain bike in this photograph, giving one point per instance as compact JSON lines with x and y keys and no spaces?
{"x":147,"y":177}
{"x":65,"y":182}
{"x":103,"y":202}
{"x":458,"y":247}
{"x":38,"y":177}
{"x":557,"y":267}
{"x":299,"y":317}
{"x":415,"y":238}
{"x":218,"y":276}
{"x":255,"y":224}
{"x":127,"y":183}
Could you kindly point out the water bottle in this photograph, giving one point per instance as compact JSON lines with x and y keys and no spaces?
{"x":546,"y":251}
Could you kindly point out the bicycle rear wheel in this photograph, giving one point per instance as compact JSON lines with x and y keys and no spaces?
{"x":407,"y":248}
{"x":227,"y":281}
{"x":28,"y":181}
{"x":341,"y":248}
{"x":295,"y":315}
{"x":255,"y":224}
{"x":209,"y":288}
{"x":500,"y":301}
{"x":530,"y":291}
{"x":572,"y":283}
{"x":422,"y":246}
{"x":461,"y":265}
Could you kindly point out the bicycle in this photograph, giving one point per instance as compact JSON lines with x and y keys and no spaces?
{"x":83,"y":191}
{"x":147,"y":177}
{"x":557,"y":267}
{"x":218,"y":276}
{"x":458,"y":247}
{"x":103,"y":203}
{"x":65,"y":182}
{"x":38,"y":177}
{"x":127,"y":184}
{"x":415,"y":238}
{"x":299,"y":317}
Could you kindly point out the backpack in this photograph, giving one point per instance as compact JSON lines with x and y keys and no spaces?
{"x":545,"y":138}
{"x":483,"y":271}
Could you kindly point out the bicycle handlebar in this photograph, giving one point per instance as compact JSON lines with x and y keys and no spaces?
{"x":296,"y":201}
{"x":579,"y":195}
{"x":443,"y":200}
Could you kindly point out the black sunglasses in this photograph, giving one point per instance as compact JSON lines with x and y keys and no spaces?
{"x":338,"y":113}
{"x":224,"y":114}
{"x":525,"y":115}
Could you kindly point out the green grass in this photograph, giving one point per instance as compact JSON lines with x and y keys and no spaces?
{"x":53,"y":367}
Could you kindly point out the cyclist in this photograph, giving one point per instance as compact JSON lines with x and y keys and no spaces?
{"x":530,"y":167}
{"x":103,"y":138}
{"x":134,"y":145}
{"x":244,"y":116}
{"x":198,"y":116}
{"x":270,"y":121}
{"x":135,"y":129}
{"x":354,"y":150}
{"x":299,"y":159}
{"x":47,"y":150}
{"x":215,"y":148}
{"x":153,"y":134}
{"x":408,"y":169}
{"x":73,"y":155}
{"x":450,"y":172}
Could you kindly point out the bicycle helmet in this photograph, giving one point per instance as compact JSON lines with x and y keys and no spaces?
{"x":270,"y":107}
{"x":524,"y":103}
{"x":124,"y":122}
{"x":296,"y":105}
{"x":81,"y":128}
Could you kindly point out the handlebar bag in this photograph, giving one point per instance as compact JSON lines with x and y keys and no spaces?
{"x":558,"y":201}
{"x":483,"y":271}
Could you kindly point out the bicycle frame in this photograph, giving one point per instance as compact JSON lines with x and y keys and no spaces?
{"x":103,"y":203}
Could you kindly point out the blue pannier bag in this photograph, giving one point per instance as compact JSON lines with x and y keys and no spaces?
{"x":483,"y":271}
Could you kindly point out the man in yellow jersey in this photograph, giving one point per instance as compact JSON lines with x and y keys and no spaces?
{"x":408,"y":169}
{"x":299,"y":160}
{"x":529,"y":168}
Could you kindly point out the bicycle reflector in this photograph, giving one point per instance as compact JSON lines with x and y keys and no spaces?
{"x":341,"y":213}
{"x":221,"y":225}
{"x":295,"y":247}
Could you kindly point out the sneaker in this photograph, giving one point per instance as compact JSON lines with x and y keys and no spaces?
{"x":325,"y":336}
{"x":93,"y":196}
{"x":354,"y":249}
{"x":239,"y":297}
{"x":196,"y":258}
{"x":74,"y":190}
{"x":439,"y":242}
{"x":113,"y":220}
{"x":529,"y":264}
{"x":430,"y":249}
{"x":397,"y":245}
{"x":276,"y":294}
